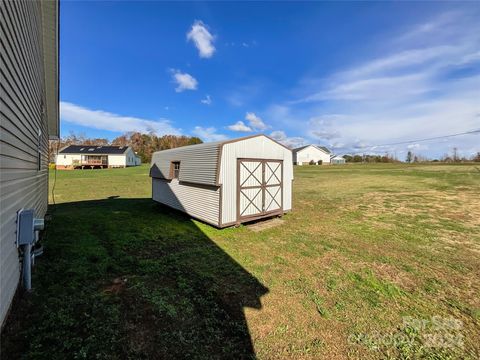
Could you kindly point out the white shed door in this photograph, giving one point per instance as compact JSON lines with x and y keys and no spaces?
{"x":259,"y":188}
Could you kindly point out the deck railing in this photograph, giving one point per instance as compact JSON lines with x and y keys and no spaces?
{"x":90,"y":162}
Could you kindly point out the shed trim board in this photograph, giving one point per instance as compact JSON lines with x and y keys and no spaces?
{"x":197,"y":169}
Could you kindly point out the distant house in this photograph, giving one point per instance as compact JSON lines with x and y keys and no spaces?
{"x":311,"y":154}
{"x":96,"y":157}
{"x":337,"y":160}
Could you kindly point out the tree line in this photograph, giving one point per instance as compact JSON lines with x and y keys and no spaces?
{"x":144,"y":145}
{"x":368,"y":158}
{"x":411,"y":158}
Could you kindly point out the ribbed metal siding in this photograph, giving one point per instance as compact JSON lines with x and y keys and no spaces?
{"x":198,"y":163}
{"x":257,"y":148}
{"x":201,"y":202}
{"x":22,"y":81}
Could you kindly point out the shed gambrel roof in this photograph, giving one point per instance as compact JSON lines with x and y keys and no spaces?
{"x":89,"y":149}
{"x":322,"y":148}
{"x":199,"y":164}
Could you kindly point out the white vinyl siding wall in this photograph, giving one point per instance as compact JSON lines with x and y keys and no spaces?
{"x":311,"y":153}
{"x":67,"y":159}
{"x":23,"y":114}
{"x":130,"y":157}
{"x":117,"y":160}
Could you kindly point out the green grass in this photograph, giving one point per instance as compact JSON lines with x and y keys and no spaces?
{"x":366,"y":247}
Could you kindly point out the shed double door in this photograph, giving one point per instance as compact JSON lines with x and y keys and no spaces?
{"x":259,"y":188}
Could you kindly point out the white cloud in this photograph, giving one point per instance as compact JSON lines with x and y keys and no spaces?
{"x":425,"y":86}
{"x":208,"y":134}
{"x":291,"y":142}
{"x":240,"y":126}
{"x":184,"y":81}
{"x":255,"y":121}
{"x":417,"y":147}
{"x":202,"y":39}
{"x":207,"y":100}
{"x":99,"y":119}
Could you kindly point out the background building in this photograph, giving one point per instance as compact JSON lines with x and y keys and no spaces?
{"x":311,"y":154}
{"x":91,"y":157}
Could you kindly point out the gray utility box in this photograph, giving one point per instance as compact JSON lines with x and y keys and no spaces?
{"x":27,"y":224}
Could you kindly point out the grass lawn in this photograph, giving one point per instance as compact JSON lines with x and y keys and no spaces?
{"x":375,"y":261}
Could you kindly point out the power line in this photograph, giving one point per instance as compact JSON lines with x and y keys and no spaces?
{"x":427,"y":139}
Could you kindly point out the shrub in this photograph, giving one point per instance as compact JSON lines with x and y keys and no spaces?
{"x":320,"y":162}
{"x":51,"y":166}
{"x":311,"y":162}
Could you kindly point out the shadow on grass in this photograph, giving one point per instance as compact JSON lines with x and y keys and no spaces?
{"x":128,"y":278}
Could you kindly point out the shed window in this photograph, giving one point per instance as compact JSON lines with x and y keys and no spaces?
{"x":175,"y":169}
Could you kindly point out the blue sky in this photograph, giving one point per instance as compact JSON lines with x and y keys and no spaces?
{"x":350,"y":76}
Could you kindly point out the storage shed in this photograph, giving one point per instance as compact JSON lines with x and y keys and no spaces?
{"x":227,"y":182}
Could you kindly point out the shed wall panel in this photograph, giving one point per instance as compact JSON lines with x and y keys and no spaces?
{"x":257,"y":148}
{"x":198,"y":163}
{"x":201,"y":202}
{"x":24,"y":131}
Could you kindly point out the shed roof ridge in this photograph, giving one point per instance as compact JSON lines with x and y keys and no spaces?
{"x":223,"y":142}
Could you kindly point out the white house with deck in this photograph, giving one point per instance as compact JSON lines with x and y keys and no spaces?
{"x":311,"y":154}
{"x":227,"y":182}
{"x":96,"y":157}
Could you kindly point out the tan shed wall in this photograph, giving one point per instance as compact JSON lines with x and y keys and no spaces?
{"x":198,"y":163}
{"x":201,"y":202}
{"x":259,"y":148}
{"x":23,"y":95}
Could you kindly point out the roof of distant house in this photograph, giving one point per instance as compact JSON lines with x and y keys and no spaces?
{"x":323,"y":148}
{"x":89,"y":149}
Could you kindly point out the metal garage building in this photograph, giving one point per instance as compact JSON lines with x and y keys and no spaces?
{"x":227,"y":182}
